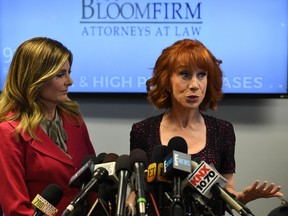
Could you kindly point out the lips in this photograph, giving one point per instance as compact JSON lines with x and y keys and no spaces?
{"x":192,"y":97}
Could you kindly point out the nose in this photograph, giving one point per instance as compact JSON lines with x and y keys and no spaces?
{"x":193,"y":85}
{"x":69,"y":81}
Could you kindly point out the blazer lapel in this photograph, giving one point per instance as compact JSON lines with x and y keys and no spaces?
{"x":45,"y":145}
{"x":48,"y":147}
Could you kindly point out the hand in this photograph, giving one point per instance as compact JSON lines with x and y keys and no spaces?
{"x":131,"y":209}
{"x":131,"y":204}
{"x":255,"y":191}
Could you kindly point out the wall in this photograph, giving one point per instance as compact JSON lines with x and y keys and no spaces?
{"x":261,"y":127}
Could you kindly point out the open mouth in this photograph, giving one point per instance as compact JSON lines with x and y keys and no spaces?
{"x":192,"y":97}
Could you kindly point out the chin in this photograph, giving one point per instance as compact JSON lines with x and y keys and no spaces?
{"x":63,"y":99}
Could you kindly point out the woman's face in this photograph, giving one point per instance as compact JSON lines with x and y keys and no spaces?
{"x":55,"y":90}
{"x":188,"y":87}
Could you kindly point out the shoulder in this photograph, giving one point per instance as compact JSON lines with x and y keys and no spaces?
{"x":151,"y":121}
{"x":78,"y":122}
{"x":221,"y":124}
{"x":8,"y":125}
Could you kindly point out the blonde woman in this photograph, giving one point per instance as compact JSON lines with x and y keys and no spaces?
{"x":43,"y":136}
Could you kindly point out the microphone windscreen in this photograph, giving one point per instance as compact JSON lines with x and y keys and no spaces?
{"x":111,"y":157}
{"x":122,"y":163}
{"x":53,"y":194}
{"x":97,"y":160}
{"x":138,"y":155}
{"x":177,"y":143}
{"x":101,"y":157}
{"x":159,"y":152}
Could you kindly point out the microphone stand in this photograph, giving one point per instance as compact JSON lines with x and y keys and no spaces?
{"x":195,"y":205}
{"x":176,"y":207}
{"x":202,"y":207}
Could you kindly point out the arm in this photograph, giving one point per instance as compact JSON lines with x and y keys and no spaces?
{"x":251,"y":192}
{"x":254,"y":191}
{"x":14,"y":196}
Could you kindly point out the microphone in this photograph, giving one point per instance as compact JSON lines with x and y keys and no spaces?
{"x":195,"y":204}
{"x":45,"y":202}
{"x":280,"y":210}
{"x":83,"y":175}
{"x":210,"y":183}
{"x":155,"y":170}
{"x":123,"y":172}
{"x":109,"y":163}
{"x":110,"y":157}
{"x":177,"y":164}
{"x":138,"y":162}
{"x":155,"y":176}
{"x":101,"y":157}
{"x":107,"y":190}
{"x":98,"y":175}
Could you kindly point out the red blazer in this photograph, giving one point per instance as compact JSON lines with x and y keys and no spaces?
{"x":28,"y":166}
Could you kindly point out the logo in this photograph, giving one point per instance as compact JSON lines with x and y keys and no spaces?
{"x":204,"y":177}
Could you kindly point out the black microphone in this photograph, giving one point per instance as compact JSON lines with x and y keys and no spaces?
{"x":109,"y":163}
{"x":281,"y":210}
{"x":98,"y":175}
{"x":155,"y":177}
{"x":138,"y":162}
{"x":209,"y":182}
{"x":101,"y":157}
{"x":82,"y":177}
{"x":194,"y":202}
{"x":84,"y":174}
{"x":177,"y":162}
{"x":123,"y":172}
{"x":177,"y":165}
{"x":45,"y":202}
{"x":107,"y":190}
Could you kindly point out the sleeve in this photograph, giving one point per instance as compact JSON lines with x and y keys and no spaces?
{"x":12,"y":181}
{"x":228,"y":141}
{"x":136,"y":136}
{"x":145,"y":135}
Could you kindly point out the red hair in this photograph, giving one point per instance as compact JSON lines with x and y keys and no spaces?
{"x":190,"y":53}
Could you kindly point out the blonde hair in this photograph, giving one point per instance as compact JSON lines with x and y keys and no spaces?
{"x":190,"y":53}
{"x":34,"y":63}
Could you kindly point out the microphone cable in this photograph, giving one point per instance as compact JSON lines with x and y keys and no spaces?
{"x":154,"y":204}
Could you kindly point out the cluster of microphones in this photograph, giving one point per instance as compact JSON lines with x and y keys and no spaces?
{"x":172,"y":185}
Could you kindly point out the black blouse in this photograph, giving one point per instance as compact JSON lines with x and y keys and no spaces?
{"x":220,"y":141}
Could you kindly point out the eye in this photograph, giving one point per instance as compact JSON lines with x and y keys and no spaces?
{"x":202,"y":74}
{"x":60,"y":74}
{"x":63,"y":73}
{"x":185,"y":74}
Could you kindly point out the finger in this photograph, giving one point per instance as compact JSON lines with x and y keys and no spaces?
{"x":129,"y":208}
{"x":275,"y":190}
{"x":270,"y":188}
{"x":255,"y":184}
{"x":262,"y":186}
